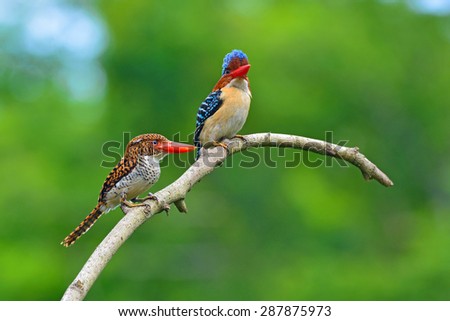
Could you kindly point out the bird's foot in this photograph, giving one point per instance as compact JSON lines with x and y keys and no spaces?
{"x":165,"y":206}
{"x":131,"y":204}
{"x":150,"y":196}
{"x":126,"y":205}
{"x":216,"y":144}
{"x":241,"y":137}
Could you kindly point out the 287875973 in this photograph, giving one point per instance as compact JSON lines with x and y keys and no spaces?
{"x":295,"y":310}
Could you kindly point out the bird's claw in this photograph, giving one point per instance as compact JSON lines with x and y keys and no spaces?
{"x":131,"y":204}
{"x":165,"y":206}
{"x":241,"y":137}
{"x":150,"y":196}
{"x":126,"y":205}
{"x":216,"y":144}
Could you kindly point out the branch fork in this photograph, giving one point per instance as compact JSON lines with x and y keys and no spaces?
{"x":176,"y":192}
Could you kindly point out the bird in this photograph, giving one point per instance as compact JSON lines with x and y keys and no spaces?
{"x":135,"y":173}
{"x":223,"y":113}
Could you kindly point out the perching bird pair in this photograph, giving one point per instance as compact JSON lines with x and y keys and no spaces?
{"x":221,"y":115}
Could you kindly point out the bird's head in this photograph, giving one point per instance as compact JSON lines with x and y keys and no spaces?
{"x":235,"y":65}
{"x":155,"y":145}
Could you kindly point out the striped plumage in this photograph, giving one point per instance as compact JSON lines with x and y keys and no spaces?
{"x":208,"y":107}
{"x":136,"y":172}
{"x":223,"y":113}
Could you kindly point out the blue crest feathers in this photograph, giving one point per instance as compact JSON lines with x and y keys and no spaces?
{"x":232,"y":55}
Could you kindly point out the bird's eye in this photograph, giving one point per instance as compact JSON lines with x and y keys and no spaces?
{"x":226,"y":72}
{"x":154,"y":142}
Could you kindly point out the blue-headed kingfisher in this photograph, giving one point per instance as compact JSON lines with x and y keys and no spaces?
{"x":224,"y":112}
{"x":136,"y":172}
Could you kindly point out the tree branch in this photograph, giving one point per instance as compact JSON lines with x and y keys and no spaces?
{"x":176,"y":193}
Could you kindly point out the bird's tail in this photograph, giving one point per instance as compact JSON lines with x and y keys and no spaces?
{"x":84,"y":226}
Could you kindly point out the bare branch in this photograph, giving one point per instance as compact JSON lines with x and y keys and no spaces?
{"x":177,"y":191}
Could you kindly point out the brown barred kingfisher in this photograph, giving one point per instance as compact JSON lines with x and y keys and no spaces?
{"x":136,"y":172}
{"x":224,"y":112}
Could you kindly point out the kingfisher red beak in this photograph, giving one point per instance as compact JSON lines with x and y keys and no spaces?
{"x":240,"y":72}
{"x":174,"y":147}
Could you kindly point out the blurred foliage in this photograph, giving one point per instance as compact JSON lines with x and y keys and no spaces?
{"x":376,"y":74}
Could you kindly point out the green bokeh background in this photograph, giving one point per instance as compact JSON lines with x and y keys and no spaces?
{"x":376,"y":74}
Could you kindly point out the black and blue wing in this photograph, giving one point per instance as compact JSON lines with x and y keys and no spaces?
{"x":208,"y":107}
